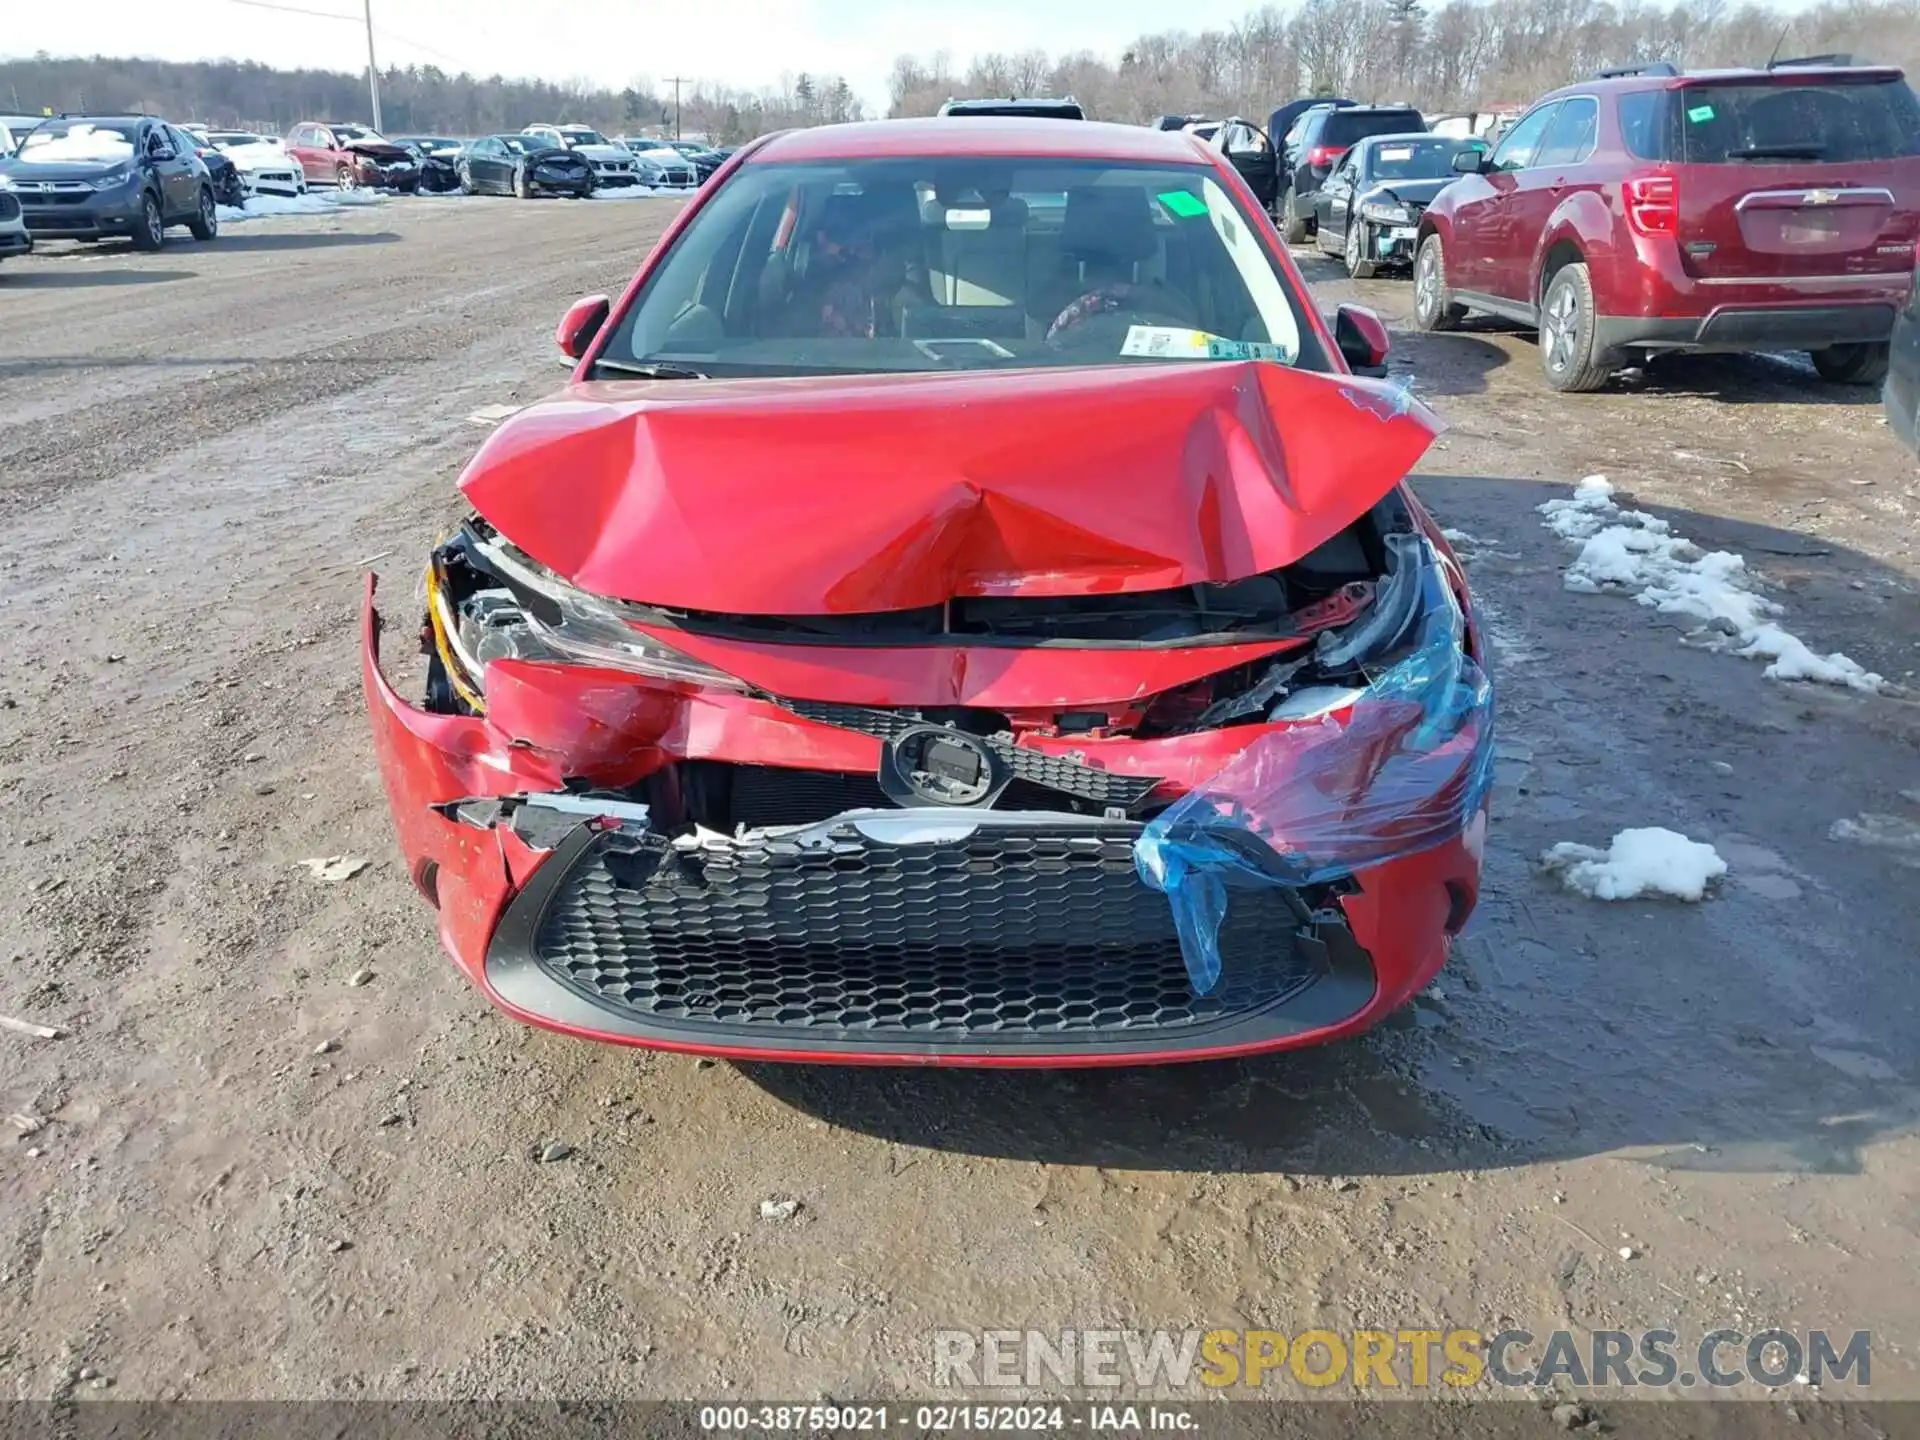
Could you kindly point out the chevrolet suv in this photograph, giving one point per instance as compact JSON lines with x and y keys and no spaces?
{"x":1650,"y":211}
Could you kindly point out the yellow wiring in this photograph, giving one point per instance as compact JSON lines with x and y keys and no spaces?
{"x":439,"y":618}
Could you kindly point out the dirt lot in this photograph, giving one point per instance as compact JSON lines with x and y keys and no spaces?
{"x":262,"y":1179}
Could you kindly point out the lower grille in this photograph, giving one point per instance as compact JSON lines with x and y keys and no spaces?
{"x":9,"y":208}
{"x":1015,"y":934}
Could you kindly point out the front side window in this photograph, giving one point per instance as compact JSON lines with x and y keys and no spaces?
{"x":966,"y":263}
{"x":1516,"y":151}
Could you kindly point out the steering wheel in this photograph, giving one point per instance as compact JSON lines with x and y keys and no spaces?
{"x":1133,"y":303}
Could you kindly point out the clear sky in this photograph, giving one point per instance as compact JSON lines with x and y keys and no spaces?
{"x":609,"y":42}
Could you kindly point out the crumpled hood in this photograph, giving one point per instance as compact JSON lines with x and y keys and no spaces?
{"x":375,"y":150}
{"x":1408,"y":192}
{"x":833,"y":495}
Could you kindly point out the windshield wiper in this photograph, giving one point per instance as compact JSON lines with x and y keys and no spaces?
{"x":652,"y":372}
{"x":1777,"y":152}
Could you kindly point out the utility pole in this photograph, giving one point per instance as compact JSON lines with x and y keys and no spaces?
{"x":676,"y":81}
{"x":373,"y":70}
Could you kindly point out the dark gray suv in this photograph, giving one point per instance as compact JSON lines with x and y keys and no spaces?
{"x":90,"y":177}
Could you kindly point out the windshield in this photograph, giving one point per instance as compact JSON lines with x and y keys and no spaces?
{"x":583,"y":137}
{"x":66,"y":140}
{"x":1419,"y":158}
{"x":525,"y":144}
{"x":348,"y":134}
{"x":224,"y":138}
{"x":963,"y":264}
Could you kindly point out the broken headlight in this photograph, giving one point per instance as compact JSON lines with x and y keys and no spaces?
{"x":487,"y":601}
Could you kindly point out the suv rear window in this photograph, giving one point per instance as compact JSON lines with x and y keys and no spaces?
{"x":1834,"y":123}
{"x":1346,"y":126}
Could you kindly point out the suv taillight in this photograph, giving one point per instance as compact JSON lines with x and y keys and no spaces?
{"x":1323,"y":157}
{"x":1653,"y":204}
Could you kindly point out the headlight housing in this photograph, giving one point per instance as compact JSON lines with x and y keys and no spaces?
{"x":487,"y":601}
{"x":1383,"y":212}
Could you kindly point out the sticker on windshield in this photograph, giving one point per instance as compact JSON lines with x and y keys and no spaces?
{"x":1218,"y":349}
{"x":1164,"y":342}
{"x":1396,"y":152}
{"x":1183,"y":203}
{"x":1700,"y":114}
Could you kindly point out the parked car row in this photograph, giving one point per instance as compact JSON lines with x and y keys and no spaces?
{"x":1645,"y":212}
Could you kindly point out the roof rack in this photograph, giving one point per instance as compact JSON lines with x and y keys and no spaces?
{"x":1620,"y":72}
{"x":1837,"y":58}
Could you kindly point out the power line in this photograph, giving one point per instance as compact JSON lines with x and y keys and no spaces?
{"x":296,"y":10}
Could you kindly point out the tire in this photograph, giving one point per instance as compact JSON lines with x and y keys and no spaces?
{"x":466,"y":182}
{"x":152,"y":231}
{"x":1568,"y":354}
{"x":1291,"y":225}
{"x":344,"y":179}
{"x":205,"y":224}
{"x":1861,"y":364}
{"x":522,"y":187}
{"x":1433,"y":307}
{"x":1358,"y":266}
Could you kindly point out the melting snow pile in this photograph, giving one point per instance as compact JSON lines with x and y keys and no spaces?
{"x":1632,"y":551}
{"x":1651,"y":861}
{"x":260,"y":207}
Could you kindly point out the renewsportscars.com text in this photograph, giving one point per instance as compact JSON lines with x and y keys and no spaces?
{"x":1394,"y":1359}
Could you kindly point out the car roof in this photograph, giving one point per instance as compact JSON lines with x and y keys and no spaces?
{"x":1742,"y":74}
{"x":985,"y":135}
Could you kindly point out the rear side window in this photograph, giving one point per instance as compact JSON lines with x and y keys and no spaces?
{"x":1569,"y":139}
{"x":1343,"y":127}
{"x":1834,"y":123}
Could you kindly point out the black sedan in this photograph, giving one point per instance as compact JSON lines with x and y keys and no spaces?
{"x":1903,"y":372}
{"x":1369,"y":209}
{"x":705,"y":158}
{"x":523,"y":165}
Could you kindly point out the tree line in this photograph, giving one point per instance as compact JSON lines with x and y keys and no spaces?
{"x":414,"y":100}
{"x":1452,"y":56}
{"x":1459,"y":56}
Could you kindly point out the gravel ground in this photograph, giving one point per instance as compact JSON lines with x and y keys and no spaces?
{"x":290,"y":1154}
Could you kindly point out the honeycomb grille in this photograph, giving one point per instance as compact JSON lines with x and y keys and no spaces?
{"x":1008,"y":935}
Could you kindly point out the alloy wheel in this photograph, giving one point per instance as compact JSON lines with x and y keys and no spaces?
{"x":1426,"y":282}
{"x":1562,"y":326}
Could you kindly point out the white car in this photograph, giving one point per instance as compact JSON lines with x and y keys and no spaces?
{"x":14,"y":129}
{"x":661,"y":165}
{"x":612,"y":165}
{"x":263,"y":162}
{"x":14,"y":239}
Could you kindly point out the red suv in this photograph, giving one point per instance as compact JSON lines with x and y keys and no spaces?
{"x":1650,"y":210}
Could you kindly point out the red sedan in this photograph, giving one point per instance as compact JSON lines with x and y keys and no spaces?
{"x":965,"y":609}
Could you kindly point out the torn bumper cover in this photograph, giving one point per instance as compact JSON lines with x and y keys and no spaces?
{"x":931,"y":934}
{"x":1405,"y":765}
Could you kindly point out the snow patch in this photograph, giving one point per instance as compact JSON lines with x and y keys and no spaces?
{"x":1649,"y":861}
{"x":1639,"y":554}
{"x":263,"y":207}
{"x":493,"y":414}
{"x":81,"y":145}
{"x":637,"y":192}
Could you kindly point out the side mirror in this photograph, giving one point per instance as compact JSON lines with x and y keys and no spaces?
{"x":582,"y":322}
{"x":1469,"y":162}
{"x":1362,"y":339}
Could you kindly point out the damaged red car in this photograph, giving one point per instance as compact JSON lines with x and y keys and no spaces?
{"x":965,"y":609}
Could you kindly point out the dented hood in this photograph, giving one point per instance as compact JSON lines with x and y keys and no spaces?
{"x":830,"y":495}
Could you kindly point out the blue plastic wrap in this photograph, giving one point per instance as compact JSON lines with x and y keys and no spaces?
{"x":1403,"y":770}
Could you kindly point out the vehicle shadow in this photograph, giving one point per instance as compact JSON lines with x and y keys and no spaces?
{"x":296,"y":240}
{"x":1683,"y":1036}
{"x":38,"y":279}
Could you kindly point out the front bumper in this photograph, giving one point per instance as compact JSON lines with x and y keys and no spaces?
{"x":1028,"y":940}
{"x":92,"y":216}
{"x":14,"y":237}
